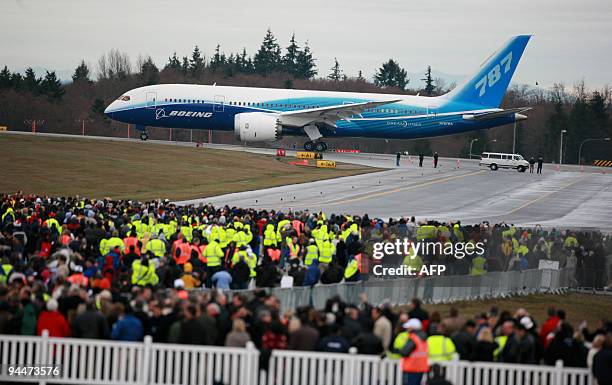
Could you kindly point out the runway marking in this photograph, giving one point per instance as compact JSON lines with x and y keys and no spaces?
{"x":396,"y":190}
{"x":543,"y":196}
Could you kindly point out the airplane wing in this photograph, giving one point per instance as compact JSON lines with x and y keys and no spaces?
{"x":495,"y":114}
{"x":328,"y":115}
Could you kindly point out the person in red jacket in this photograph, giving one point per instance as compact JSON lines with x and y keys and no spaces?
{"x":53,"y":321}
{"x":549,"y":326}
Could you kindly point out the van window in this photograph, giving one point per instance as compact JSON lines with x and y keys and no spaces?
{"x":504,"y":157}
{"x":494,"y":156}
{"x":516,"y":157}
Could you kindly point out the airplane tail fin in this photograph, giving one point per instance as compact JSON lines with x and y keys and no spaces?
{"x":488,"y":86}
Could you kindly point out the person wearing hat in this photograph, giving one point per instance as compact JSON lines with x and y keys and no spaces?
{"x":312,"y":252}
{"x":188,"y":278}
{"x":414,"y":353}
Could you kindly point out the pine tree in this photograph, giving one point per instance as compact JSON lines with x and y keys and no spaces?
{"x":336,"y":72}
{"x":196,"y":63}
{"x":81,"y":73}
{"x":5,"y":78}
{"x":218,"y":60}
{"x":391,"y":75}
{"x":290,"y":60}
{"x":429,"y":82}
{"x":174,"y":63}
{"x":51,"y":86}
{"x":185,"y":65}
{"x":268,"y":58}
{"x":246,"y":64}
{"x":17,"y":81}
{"x":149,"y":73}
{"x":30,"y":82}
{"x":305,"y":63}
{"x":556,"y":122}
{"x":97,"y":110}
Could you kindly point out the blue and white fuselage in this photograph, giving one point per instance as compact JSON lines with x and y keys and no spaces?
{"x":265,"y":114}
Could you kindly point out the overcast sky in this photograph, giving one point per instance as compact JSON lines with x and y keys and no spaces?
{"x":573,"y":39}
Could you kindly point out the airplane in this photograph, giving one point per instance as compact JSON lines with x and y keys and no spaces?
{"x":268,"y":114}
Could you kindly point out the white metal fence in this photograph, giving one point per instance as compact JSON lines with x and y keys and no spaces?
{"x":105,"y":362}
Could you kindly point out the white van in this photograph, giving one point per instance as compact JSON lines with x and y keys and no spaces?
{"x":495,"y":160}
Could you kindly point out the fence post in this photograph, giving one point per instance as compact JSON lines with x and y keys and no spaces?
{"x":558,"y":372}
{"x":44,"y":349}
{"x":350,"y":370}
{"x":146,"y":360}
{"x":251,"y":367}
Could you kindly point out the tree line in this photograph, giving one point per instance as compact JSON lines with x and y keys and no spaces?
{"x":585,"y":114}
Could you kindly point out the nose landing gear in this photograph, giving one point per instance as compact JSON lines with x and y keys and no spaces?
{"x":144,"y":136}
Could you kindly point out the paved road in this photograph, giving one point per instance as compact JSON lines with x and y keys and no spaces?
{"x":570,"y":197}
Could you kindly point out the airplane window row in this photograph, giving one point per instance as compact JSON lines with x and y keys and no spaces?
{"x":281,"y":105}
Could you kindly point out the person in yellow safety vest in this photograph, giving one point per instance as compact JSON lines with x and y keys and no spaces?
{"x":143,"y":272}
{"x":571,"y":242}
{"x":507,"y":329}
{"x":187,"y":231}
{"x":249,"y":234}
{"x":269,"y":236}
{"x":398,"y":343}
{"x":213,"y":254}
{"x":413,"y":260}
{"x":5,"y":271}
{"x":440,"y":347}
{"x":8,"y":212}
{"x":327,"y":251}
{"x":240,"y":238}
{"x":279,"y":228}
{"x":524,"y":250}
{"x":240,"y":253}
{"x":53,"y":224}
{"x":156,"y":246}
{"x":478,"y":266}
{"x":458,"y":233}
{"x":113,"y":242}
{"x":137,"y":225}
{"x":252,"y":262}
{"x":351,"y":273}
{"x":312,"y":253}
{"x":294,"y":248}
{"x":156,"y":227}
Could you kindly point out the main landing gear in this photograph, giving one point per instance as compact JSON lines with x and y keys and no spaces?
{"x":315,"y":146}
{"x":144,"y":136}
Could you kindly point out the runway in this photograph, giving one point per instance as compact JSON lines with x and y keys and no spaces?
{"x":572,"y":197}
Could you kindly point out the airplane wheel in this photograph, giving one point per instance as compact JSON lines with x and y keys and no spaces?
{"x":144,"y":136}
{"x":308,"y":146}
{"x":320,"y":147}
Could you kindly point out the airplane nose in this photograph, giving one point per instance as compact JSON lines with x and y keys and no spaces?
{"x":109,"y":111}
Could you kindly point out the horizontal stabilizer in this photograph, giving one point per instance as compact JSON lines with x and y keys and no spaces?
{"x":496,"y":114}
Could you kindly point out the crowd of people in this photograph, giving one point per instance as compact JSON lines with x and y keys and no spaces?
{"x":123,"y":269}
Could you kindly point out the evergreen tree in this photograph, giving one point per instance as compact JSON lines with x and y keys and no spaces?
{"x":268,"y":58}
{"x":149,"y":73}
{"x":17,"y":81}
{"x":336,"y":72}
{"x":97,"y":110}
{"x":429,"y":82}
{"x":556,"y":122}
{"x":218,"y":60}
{"x":30,"y":82}
{"x":51,"y":86}
{"x":5,"y":78}
{"x":174,"y":63}
{"x":391,"y":75}
{"x":360,"y":75}
{"x":196,"y":63}
{"x":244,"y":63}
{"x":305,"y":64}
{"x":81,"y":73}
{"x":290,"y":60}
{"x":185,"y":65}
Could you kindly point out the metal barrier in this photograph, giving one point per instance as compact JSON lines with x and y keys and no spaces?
{"x":102,"y":362}
{"x":437,"y":289}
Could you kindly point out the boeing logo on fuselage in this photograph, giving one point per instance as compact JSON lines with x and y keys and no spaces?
{"x":161,"y":113}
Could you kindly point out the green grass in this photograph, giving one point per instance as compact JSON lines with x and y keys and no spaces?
{"x":577,"y":306}
{"x":136,"y":170}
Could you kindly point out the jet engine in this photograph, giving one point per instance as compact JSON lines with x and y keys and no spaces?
{"x":257,"y":127}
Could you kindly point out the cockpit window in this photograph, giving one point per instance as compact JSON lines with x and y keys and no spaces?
{"x":124,"y":98}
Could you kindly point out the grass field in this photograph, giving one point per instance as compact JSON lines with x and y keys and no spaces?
{"x":578,"y":306}
{"x":136,"y":170}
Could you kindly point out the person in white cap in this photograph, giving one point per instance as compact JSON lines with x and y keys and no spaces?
{"x":414,"y":353}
